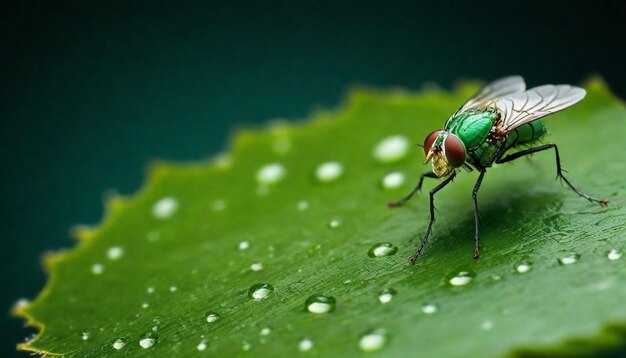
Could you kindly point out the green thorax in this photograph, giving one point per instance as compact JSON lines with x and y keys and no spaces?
{"x":472,"y":127}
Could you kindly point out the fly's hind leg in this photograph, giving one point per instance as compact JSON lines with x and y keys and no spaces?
{"x":559,"y":170}
{"x":401,"y":202}
{"x":476,"y":217}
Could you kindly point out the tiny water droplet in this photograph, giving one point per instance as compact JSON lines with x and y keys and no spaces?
{"x":173,"y":288}
{"x":165,"y":208}
{"x":21,"y":303}
{"x":212,"y":317}
{"x":218,"y":205}
{"x":391,"y":149}
{"x":306,"y":344}
{"x":386,"y":295}
{"x":260,"y":291}
{"x":145,"y":305}
{"x":244,"y":245}
{"x":97,"y":269}
{"x":334,"y":223}
{"x":393,"y":180}
{"x":148,"y":340}
{"x":245,"y":345}
{"x":524,"y":267}
{"x":119,"y":343}
{"x":115,"y":252}
{"x":568,"y":259}
{"x":487,"y":325}
{"x":614,"y":255}
{"x":271,"y":174}
{"x":257,"y":266}
{"x":382,"y":249}
{"x":373,"y":340}
{"x":202,"y":345}
{"x":461,"y":278}
{"x":150,"y":289}
{"x":303,"y":205}
{"x":320,"y":304}
{"x":84,"y":336}
{"x":430,"y":308}
{"x":496,"y":277}
{"x":329,"y":171}
{"x":265,"y":331}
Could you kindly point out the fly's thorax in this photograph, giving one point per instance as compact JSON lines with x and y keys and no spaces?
{"x":473,"y":127}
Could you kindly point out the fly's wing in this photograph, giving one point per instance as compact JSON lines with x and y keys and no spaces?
{"x":496,"y":89}
{"x":520,"y":108}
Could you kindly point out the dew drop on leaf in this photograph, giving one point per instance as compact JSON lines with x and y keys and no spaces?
{"x":148,"y":340}
{"x":257,"y":266}
{"x":568,"y":259}
{"x":430,"y":308}
{"x":334,"y":223}
{"x":393,"y":180}
{"x":265,"y":331}
{"x":386,"y":295}
{"x":202,"y":345}
{"x":524,"y":267}
{"x":244,"y":245}
{"x":614,"y":255}
{"x":165,"y":208}
{"x":84,"y":336}
{"x":382,"y":249}
{"x":306,"y":344}
{"x":115,"y":252}
{"x":212,"y":317}
{"x":97,"y":269}
{"x":461,"y":278}
{"x":391,"y":149}
{"x":329,"y":171}
{"x":373,"y":340}
{"x":119,"y":343}
{"x":271,"y":174}
{"x":320,"y":304}
{"x":260,"y":291}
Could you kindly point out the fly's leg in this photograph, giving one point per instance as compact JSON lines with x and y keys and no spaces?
{"x":476,"y":219}
{"x":559,"y":170}
{"x":432,"y":216}
{"x":395,"y":204}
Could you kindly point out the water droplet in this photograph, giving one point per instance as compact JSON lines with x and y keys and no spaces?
{"x":306,"y":344}
{"x":386,"y":295}
{"x":119,"y":343}
{"x":382,"y":249}
{"x":84,"y":336}
{"x":373,"y":340}
{"x":281,"y":145}
{"x":257,"y":266}
{"x":145,"y":305}
{"x":393,"y":180}
{"x":614,"y":255}
{"x":496,"y":277}
{"x":391,"y":149}
{"x":430,"y":308}
{"x":303,"y":205}
{"x":21,"y":303}
{"x":218,"y":205}
{"x":150,"y":289}
{"x":487,"y":325}
{"x":568,"y":259}
{"x":265,"y":331}
{"x":334,"y":223}
{"x":524,"y":267}
{"x":155,"y":328}
{"x":244,"y":245}
{"x":202,"y":345}
{"x":173,"y":288}
{"x":271,"y":174}
{"x":212,"y":317}
{"x":329,"y":171}
{"x":461,"y":278}
{"x":148,"y":340}
{"x":165,"y":208}
{"x":260,"y":291}
{"x":115,"y":252}
{"x":97,"y":269}
{"x":320,"y":304}
{"x":245,"y":345}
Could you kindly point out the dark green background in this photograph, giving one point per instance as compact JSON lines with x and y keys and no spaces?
{"x":93,"y":91}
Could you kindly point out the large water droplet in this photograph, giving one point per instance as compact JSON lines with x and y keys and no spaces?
{"x":115,"y":252}
{"x":524,"y":267}
{"x":614,"y":255}
{"x":461,"y":278}
{"x":430,"y":308}
{"x":306,"y":344}
{"x":386,"y":295}
{"x":212,"y":317}
{"x":568,"y":259}
{"x":393,"y":180}
{"x":119,"y":343}
{"x":373,"y":340}
{"x":148,"y":340}
{"x":260,"y":291}
{"x":382,"y":249}
{"x":391,"y":149}
{"x":329,"y":171}
{"x":320,"y":304}
{"x":165,"y":208}
{"x":271,"y":174}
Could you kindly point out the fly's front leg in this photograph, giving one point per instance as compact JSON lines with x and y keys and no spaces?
{"x":401,"y":202}
{"x":559,"y":170}
{"x":476,"y":218}
{"x":432,"y":216}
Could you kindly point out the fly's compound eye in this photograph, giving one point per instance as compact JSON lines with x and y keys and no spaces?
{"x":454,"y":150}
{"x":430,"y":139}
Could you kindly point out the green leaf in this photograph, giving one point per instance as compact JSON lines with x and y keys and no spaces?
{"x":167,"y":257}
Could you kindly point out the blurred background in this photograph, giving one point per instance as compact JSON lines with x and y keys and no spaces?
{"x":92,"y":92}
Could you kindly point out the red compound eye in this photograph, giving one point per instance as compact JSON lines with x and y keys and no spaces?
{"x":430,"y":139}
{"x":454,"y":150}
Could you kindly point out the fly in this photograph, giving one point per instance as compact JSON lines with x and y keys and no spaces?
{"x":500,"y":117}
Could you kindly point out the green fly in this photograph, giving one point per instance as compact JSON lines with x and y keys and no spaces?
{"x":490,"y":128}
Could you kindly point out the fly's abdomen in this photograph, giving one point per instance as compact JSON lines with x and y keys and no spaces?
{"x":526,"y":134}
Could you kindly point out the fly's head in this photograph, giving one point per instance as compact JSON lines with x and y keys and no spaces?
{"x":446,"y":151}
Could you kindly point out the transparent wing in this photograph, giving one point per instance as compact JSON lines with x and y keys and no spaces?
{"x":498,"y":88}
{"x":520,"y":108}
